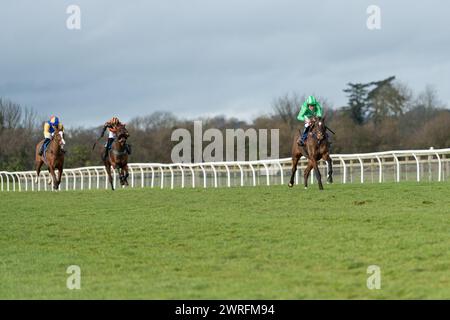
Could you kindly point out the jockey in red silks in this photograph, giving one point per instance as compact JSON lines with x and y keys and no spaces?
{"x":112,"y":125}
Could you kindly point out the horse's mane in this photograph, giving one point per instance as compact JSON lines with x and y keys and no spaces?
{"x":316,"y":120}
{"x":122,"y":131}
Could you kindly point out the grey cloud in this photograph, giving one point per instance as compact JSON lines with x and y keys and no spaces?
{"x":200,"y":57}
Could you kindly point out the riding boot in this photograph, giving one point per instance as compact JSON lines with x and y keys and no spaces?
{"x":107,"y":148}
{"x":299,"y":141}
{"x":43,"y":146}
{"x":105,"y":154}
{"x":109,"y":143}
{"x":303,"y":137}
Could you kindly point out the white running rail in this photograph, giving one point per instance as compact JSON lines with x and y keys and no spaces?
{"x":395,"y":166}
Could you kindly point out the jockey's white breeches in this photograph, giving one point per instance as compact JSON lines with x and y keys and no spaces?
{"x":112,"y":135}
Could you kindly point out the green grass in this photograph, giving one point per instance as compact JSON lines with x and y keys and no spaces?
{"x":239,"y":243}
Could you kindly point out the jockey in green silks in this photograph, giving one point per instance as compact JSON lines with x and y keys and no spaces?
{"x":311,"y":108}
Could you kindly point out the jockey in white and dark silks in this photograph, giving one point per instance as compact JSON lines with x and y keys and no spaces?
{"x":311,"y":108}
{"x":49,"y":131}
{"x":112,"y":125}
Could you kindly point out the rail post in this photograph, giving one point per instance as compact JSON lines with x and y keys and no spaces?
{"x":439,"y":167}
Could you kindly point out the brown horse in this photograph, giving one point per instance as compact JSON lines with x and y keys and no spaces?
{"x":53,"y":158}
{"x":118,"y":158}
{"x":316,"y":147}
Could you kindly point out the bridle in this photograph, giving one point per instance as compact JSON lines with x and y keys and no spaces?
{"x":59,"y":137}
{"x":318,"y":130}
{"x":122,"y":135}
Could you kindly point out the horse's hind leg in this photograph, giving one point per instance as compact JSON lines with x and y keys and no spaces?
{"x":39,"y":164}
{"x":294,"y":170}
{"x":121,"y":176}
{"x":329,"y":161}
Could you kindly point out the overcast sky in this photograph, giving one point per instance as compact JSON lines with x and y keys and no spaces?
{"x":208,"y":57}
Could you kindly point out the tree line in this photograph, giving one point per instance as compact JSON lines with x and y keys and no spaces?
{"x":379,"y":115}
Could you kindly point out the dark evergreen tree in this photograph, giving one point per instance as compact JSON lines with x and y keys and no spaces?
{"x":357,"y":101}
{"x":384,"y":100}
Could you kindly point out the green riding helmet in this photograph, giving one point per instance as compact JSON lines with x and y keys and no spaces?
{"x":311,"y":101}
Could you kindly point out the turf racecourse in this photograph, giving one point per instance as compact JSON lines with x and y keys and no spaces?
{"x":238,"y":243}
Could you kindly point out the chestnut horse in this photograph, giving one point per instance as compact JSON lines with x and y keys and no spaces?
{"x":53,"y":158}
{"x":118,"y":158}
{"x":316,"y":147}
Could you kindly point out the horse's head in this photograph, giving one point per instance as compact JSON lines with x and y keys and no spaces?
{"x":122,"y":134}
{"x":58,"y":137}
{"x":319,"y":129}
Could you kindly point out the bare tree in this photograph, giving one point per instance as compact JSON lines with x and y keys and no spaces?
{"x":287,"y":109}
{"x":429,"y":99}
{"x":11,"y":114}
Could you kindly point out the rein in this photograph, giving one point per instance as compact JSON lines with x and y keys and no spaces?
{"x":330,"y":130}
{"x":314,"y":133}
{"x":117,"y":152}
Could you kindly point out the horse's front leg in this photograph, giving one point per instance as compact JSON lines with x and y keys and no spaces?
{"x":53,"y":179}
{"x":60,"y":172}
{"x":121,"y":176}
{"x":110,"y":178}
{"x":126,"y":175}
{"x":318,"y":175}
{"x":306,"y":173}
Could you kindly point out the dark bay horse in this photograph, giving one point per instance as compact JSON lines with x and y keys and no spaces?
{"x":53,"y":158}
{"x":118,"y":157}
{"x":316,"y":147}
